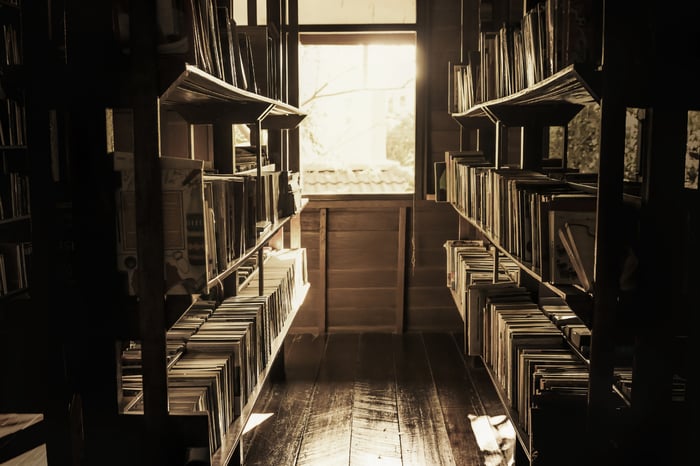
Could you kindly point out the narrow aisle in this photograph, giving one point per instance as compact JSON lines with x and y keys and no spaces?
{"x":374,"y":398}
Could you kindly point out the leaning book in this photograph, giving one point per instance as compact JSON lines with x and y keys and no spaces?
{"x":188,"y":237}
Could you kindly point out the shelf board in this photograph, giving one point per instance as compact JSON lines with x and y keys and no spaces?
{"x":554,"y":101}
{"x":202,"y":98}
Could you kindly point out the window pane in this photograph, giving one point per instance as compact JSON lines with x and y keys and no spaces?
{"x":359,"y":133}
{"x":240,"y":12}
{"x":357,"y":11}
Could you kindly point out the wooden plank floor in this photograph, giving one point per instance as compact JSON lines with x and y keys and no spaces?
{"x":378,"y":399}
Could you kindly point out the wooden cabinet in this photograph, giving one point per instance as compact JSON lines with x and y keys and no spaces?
{"x":514,"y":92}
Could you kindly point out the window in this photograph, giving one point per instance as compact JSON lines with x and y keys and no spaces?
{"x":357,"y":86}
{"x":357,"y":11}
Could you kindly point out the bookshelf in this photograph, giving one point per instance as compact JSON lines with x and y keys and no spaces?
{"x":123,"y":114}
{"x":190,"y":98}
{"x":15,"y":207}
{"x":517,"y":92}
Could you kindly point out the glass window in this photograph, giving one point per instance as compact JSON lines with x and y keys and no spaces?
{"x":358,"y":92}
{"x":240,"y":12}
{"x":357,"y":12}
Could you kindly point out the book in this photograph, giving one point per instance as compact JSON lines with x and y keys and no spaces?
{"x":478,"y":319}
{"x":562,"y":268}
{"x":13,"y":272}
{"x":581,"y":239}
{"x":457,"y":178}
{"x":187,"y":225}
{"x":228,"y":52}
{"x":440,"y":181}
{"x":565,"y":202}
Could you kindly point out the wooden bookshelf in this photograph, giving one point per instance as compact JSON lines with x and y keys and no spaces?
{"x":615,"y":77}
{"x":555,"y":100}
{"x":202,"y":98}
{"x":126,"y":72}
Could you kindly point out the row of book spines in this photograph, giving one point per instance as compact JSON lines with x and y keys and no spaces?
{"x":286,"y":275}
{"x":15,"y":267}
{"x":12,"y":123}
{"x":249,"y":219}
{"x":11,"y":46}
{"x":535,"y":202}
{"x":243,"y":56}
{"x":14,"y":195}
{"x":210,"y":224}
{"x":470,"y":263}
{"x":233,"y":339}
{"x":513,"y":327}
{"x":508,"y":318}
{"x":550,"y":36}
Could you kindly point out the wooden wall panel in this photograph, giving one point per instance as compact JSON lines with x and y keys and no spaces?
{"x":377,"y":320}
{"x":444,"y":31}
{"x":309,"y":220}
{"x":432,"y":277}
{"x":427,"y":297}
{"x":364,"y":288}
{"x":434,"y":319}
{"x":362,"y":278}
{"x":361,"y":299}
{"x":350,"y":254}
{"x":364,"y":219}
{"x":429,"y":304}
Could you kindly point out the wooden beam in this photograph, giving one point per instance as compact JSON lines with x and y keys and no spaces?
{"x":323,"y":268}
{"x":401,"y":270}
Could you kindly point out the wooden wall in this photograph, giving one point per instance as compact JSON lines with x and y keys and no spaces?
{"x":380,"y":264}
{"x":377,"y":266}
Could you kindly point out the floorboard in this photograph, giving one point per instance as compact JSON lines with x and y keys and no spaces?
{"x":285,"y":407}
{"x":328,"y":432}
{"x":378,"y":399}
{"x":424,"y":439}
{"x":375,"y":421}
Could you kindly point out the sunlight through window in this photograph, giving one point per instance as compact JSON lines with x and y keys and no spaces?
{"x":495,"y":436}
{"x":359,"y":97}
{"x":255,"y":420}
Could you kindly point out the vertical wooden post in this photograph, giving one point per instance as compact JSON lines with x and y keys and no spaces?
{"x":149,"y":216}
{"x":224,"y":147}
{"x":531,"y":150}
{"x":323,"y":269}
{"x":401,"y":269}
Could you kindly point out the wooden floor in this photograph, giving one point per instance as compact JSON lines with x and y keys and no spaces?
{"x":366,"y":399}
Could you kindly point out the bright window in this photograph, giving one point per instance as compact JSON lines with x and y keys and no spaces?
{"x":358,"y":91}
{"x":357,"y":11}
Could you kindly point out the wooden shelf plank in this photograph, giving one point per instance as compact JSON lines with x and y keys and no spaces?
{"x":552,"y":101}
{"x":200,"y":97}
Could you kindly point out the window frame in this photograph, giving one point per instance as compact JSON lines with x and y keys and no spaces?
{"x":296,"y":31}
